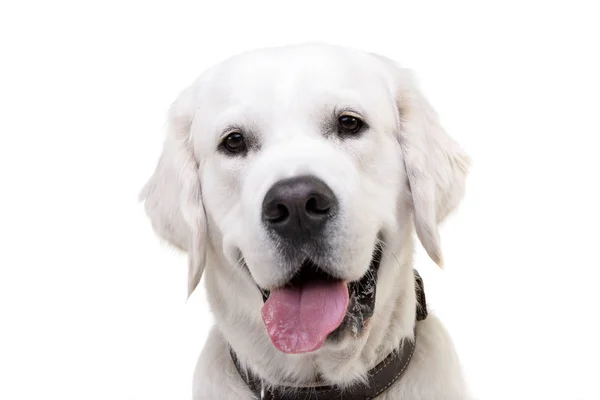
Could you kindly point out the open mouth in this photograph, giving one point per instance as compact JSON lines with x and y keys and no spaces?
{"x":315,"y":306}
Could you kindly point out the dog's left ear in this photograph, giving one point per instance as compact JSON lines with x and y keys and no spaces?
{"x":435,"y":164}
{"x":172,"y":196}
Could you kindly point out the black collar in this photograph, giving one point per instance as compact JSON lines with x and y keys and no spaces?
{"x":379,"y":380}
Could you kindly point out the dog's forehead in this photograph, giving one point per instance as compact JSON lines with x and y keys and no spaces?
{"x":296,"y":75}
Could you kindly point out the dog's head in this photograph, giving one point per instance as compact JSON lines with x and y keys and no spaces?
{"x":297,"y":165}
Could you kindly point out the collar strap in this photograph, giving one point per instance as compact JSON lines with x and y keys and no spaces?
{"x":379,"y":380}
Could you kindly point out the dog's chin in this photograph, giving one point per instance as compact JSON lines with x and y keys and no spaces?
{"x":358,"y":298}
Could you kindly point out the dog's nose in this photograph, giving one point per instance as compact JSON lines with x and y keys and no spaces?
{"x":297,"y":208}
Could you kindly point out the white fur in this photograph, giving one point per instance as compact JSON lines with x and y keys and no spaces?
{"x":403,"y":173}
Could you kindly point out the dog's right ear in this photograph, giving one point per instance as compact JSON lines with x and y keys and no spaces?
{"x":172,"y":196}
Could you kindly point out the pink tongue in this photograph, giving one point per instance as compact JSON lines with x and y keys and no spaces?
{"x":299,"y":319}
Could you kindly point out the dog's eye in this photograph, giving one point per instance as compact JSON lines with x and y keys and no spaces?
{"x":234,"y":143}
{"x":349,"y":124}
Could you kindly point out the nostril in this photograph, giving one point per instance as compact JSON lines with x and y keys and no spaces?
{"x":280,"y":214}
{"x":316,"y":207}
{"x":275,"y":212}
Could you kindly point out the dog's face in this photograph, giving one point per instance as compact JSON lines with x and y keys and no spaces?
{"x":297,"y":164}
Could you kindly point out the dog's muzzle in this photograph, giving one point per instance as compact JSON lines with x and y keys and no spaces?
{"x":313,"y":306}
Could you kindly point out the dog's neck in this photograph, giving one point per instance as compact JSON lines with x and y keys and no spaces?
{"x":341,"y":363}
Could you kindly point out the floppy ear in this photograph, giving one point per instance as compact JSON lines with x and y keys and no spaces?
{"x":435,"y":164}
{"x":172,"y":196}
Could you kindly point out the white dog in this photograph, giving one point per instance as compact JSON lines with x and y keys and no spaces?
{"x":294,"y":177}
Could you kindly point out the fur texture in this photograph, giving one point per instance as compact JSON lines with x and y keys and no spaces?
{"x":403,"y":174}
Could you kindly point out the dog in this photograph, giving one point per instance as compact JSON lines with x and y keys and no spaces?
{"x":294,"y":178}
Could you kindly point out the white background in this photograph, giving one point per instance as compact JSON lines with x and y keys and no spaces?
{"x":92,"y":305}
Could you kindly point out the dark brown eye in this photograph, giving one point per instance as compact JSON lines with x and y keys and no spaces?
{"x":234,"y":143}
{"x":349,"y":124}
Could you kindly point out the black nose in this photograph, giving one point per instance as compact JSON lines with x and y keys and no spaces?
{"x":298,"y":208}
